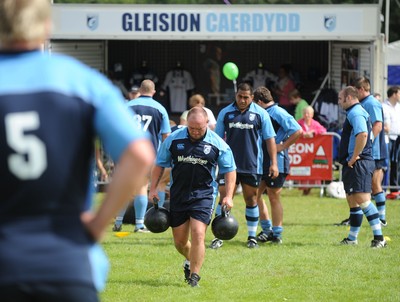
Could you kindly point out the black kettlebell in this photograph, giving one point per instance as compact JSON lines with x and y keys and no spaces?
{"x":156,"y":218}
{"x":225,"y":226}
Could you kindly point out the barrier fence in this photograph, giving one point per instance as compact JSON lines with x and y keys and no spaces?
{"x":311,"y":162}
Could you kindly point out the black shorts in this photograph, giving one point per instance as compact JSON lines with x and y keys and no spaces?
{"x":359,"y":178}
{"x":48,"y":292}
{"x":203,"y":214}
{"x":252,"y":180}
{"x":276,"y":182}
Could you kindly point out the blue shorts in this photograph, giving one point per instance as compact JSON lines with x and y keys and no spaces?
{"x":276,"y":182}
{"x":202,"y":214}
{"x":47,"y":291}
{"x":252,"y":180}
{"x":359,"y":178}
{"x":381,"y":164}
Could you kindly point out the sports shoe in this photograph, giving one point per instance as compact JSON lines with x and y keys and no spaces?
{"x":378,"y":244}
{"x":186,"y":271}
{"x":344,"y":222}
{"x":275,"y":240}
{"x":347,"y":241}
{"x":252,"y":243}
{"x":264,"y":237}
{"x":194,"y":280}
{"x":141,"y":230}
{"x":117,"y":228}
{"x":216,"y":243}
{"x":383,"y":222}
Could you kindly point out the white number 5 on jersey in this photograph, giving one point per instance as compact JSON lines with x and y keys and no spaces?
{"x":30,"y":160}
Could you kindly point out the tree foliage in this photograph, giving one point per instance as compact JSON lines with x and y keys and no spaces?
{"x":394,"y":24}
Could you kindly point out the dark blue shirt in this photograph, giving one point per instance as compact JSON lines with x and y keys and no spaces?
{"x":357,"y":121}
{"x":244,"y":133}
{"x":375,"y":110}
{"x":194,"y":166}
{"x":284,"y":125}
{"x":152,"y":117}
{"x":51,"y":110}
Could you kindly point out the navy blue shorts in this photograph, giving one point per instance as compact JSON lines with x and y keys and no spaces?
{"x":359,"y":178}
{"x":179,"y":217}
{"x":381,"y":164}
{"x":252,"y":180}
{"x":276,"y":182}
{"x":48,"y":292}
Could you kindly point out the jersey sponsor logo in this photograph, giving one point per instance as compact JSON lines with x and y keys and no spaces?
{"x":239,"y":125}
{"x":92,"y":21}
{"x":180,"y":146}
{"x":207,"y":149}
{"x":330,"y":22}
{"x":192,"y":160}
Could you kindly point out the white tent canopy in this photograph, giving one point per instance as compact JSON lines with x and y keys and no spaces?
{"x":393,"y":53}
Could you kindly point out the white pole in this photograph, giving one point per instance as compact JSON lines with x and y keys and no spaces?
{"x":386,"y":42}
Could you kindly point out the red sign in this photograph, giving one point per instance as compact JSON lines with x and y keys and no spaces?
{"x":311,"y":158}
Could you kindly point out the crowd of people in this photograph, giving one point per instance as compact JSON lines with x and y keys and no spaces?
{"x":47,"y":201}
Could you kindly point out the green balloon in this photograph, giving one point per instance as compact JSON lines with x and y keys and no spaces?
{"x":231,"y":71}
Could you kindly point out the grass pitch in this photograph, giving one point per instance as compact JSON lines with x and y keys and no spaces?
{"x":310,"y":265}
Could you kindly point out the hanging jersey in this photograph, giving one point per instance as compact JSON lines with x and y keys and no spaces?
{"x":244,"y":133}
{"x":178,"y":82}
{"x":194,"y":164}
{"x":260,"y":77}
{"x":150,"y":116}
{"x":51,"y":109}
{"x":139,"y":76}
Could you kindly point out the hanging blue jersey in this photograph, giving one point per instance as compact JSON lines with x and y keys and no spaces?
{"x":244,"y":133}
{"x":51,"y":109}
{"x":375,"y":110}
{"x":284,"y":125}
{"x":194,"y":165}
{"x":152,"y":117}
{"x":357,"y":121}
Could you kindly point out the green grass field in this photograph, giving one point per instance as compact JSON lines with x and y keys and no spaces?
{"x":310,"y":265}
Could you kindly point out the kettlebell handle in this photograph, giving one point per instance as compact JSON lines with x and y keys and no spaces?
{"x":155,"y":202}
{"x":225,"y":212}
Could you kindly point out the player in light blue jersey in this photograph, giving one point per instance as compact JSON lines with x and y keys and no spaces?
{"x":51,"y":110}
{"x":355,"y":154}
{"x":152,"y":117}
{"x":194,"y":152}
{"x":245,"y":125}
{"x":379,"y":148}
{"x":287,"y":132}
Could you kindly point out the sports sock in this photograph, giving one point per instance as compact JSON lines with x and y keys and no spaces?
{"x":380,"y":200}
{"x":161,"y":194}
{"x":356,"y":216}
{"x":252,"y":214}
{"x":372,"y":215}
{"x":186,"y":263}
{"x":120,"y":217}
{"x":277,"y":231}
{"x":266,"y":225}
{"x":218,"y":210}
{"x":140,"y":204}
